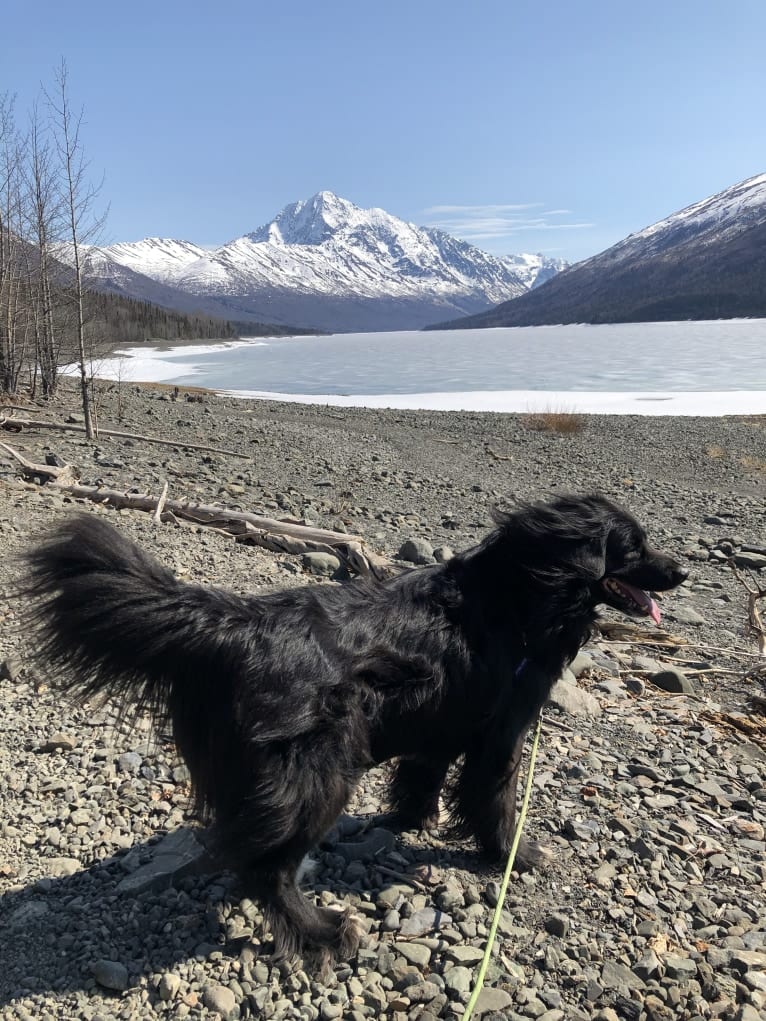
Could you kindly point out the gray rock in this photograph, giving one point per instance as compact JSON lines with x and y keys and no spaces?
{"x":679,"y":968}
{"x":450,"y":897}
{"x":58,"y":867}
{"x":646,"y":663}
{"x":748,"y":960}
{"x":178,"y":854}
{"x":443,"y":553}
{"x":416,"y":551}
{"x":687,"y":615}
{"x":330,"y":1011}
{"x":378,"y":841}
{"x":672,"y":679}
{"x":604,"y":874}
{"x":168,"y":986}
{"x":648,"y":966}
{"x":58,"y":742}
{"x":129,"y":762}
{"x":29,"y":913}
{"x":218,"y":997}
{"x":464,"y":954}
{"x":110,"y":974}
{"x":573,"y":700}
{"x":748,"y":1013}
{"x":415,"y":953}
{"x":422,"y":992}
{"x":323,"y":565}
{"x":587,"y":829}
{"x":613,"y":687}
{"x":425,"y":920}
{"x":557,"y":924}
{"x":619,"y":977}
{"x":581,"y":663}
{"x":458,"y":981}
{"x":756,"y":561}
{"x":10,"y":669}
{"x":492,"y":1000}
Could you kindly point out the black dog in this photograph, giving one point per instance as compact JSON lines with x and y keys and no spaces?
{"x":278,"y":703}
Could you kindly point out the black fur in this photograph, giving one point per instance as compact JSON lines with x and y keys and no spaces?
{"x":278,"y":703}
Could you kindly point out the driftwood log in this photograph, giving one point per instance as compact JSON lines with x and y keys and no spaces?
{"x":755,"y":593}
{"x":11,"y":423}
{"x":278,"y":535}
{"x":60,"y":475}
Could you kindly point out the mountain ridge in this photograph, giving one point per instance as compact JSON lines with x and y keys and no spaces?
{"x":326,"y":263}
{"x":706,"y":261}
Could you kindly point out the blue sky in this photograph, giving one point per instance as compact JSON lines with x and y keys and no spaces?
{"x":521,"y":126}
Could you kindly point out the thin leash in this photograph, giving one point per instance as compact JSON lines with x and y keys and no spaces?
{"x":506,"y":876}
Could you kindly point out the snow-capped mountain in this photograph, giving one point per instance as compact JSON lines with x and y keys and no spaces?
{"x":325,"y":263}
{"x":534,"y":270}
{"x":158,"y":258}
{"x":707,"y":261}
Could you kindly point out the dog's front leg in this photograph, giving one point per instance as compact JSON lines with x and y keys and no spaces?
{"x":485,"y":796}
{"x":415,"y":789}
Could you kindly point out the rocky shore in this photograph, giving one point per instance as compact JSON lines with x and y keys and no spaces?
{"x":650,"y":788}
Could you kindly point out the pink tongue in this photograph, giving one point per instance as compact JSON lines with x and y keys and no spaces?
{"x":645,"y":600}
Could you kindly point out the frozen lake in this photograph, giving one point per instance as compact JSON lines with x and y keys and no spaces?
{"x":716,"y":367}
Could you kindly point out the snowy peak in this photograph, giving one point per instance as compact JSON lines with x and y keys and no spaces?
{"x":160,"y":258}
{"x":534,"y":270}
{"x":309,"y":221}
{"x":368,"y":250}
{"x":326,"y":262}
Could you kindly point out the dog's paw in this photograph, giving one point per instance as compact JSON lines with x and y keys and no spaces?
{"x":531,"y":854}
{"x":350,"y":934}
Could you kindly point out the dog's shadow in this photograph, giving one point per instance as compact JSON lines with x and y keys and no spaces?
{"x":55,"y":930}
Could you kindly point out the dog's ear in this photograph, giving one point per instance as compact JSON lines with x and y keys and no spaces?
{"x":547,"y":539}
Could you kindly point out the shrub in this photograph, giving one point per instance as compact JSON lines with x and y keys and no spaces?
{"x":555,"y":420}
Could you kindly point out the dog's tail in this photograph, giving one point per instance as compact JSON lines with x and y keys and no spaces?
{"x":118,"y":624}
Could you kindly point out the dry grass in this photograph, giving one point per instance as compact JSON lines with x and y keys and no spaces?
{"x":747,"y":461}
{"x":555,"y":420}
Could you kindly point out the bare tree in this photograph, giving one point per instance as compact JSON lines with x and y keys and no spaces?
{"x":44,"y":223}
{"x":10,"y":247}
{"x":83,"y":224}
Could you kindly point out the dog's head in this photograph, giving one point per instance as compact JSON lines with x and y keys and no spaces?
{"x":590,"y":541}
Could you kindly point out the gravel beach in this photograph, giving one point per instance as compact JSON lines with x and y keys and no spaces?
{"x":650,"y":787}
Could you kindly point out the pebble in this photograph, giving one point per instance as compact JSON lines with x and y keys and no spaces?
{"x":416,"y":551}
{"x":110,"y":974}
{"x":557,"y":925}
{"x":673,"y":680}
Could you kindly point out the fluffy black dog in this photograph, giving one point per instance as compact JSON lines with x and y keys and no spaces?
{"x":278,"y":703}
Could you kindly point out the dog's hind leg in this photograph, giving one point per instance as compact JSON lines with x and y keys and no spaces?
{"x":277,"y":824}
{"x":297,"y":925}
{"x":415,"y":789}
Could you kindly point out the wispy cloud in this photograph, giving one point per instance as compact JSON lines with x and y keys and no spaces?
{"x":496,"y":222}
{"x":486,"y":210}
